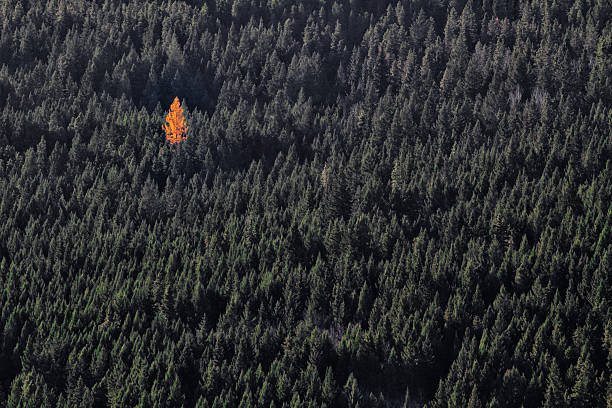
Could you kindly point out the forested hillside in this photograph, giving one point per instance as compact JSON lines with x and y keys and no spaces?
{"x":376,"y":204}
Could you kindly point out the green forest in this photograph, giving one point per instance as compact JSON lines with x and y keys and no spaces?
{"x":370,"y":203}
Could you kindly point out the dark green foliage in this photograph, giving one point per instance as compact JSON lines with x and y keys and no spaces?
{"x":378,"y":204}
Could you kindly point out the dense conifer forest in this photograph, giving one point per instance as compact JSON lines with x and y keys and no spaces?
{"x":376,"y":203}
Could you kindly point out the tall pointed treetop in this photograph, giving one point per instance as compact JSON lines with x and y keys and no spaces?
{"x":175,"y":123}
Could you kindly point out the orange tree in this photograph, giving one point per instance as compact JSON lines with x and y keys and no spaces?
{"x":175,"y":123}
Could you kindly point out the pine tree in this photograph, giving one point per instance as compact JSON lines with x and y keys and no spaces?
{"x":555,"y":388}
{"x":175,"y":123}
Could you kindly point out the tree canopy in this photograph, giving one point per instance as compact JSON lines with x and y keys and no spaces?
{"x":378,"y":204}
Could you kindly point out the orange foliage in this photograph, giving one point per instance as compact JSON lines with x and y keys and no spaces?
{"x":175,"y":127}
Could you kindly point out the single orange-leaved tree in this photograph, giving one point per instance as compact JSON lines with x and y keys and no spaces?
{"x":175,"y":123}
